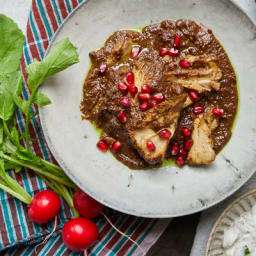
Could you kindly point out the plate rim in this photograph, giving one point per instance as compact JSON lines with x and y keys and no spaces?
{"x":77,"y":181}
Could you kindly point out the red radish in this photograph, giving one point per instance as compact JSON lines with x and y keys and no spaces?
{"x":122,"y":117}
{"x":198,"y":110}
{"x":188,"y":144}
{"x":145,"y":88}
{"x":180,"y":161}
{"x":86,"y":205}
{"x":152,"y":103}
{"x":124,"y":101}
{"x":116,"y":146}
{"x":103,"y":68}
{"x":158,"y":97}
{"x":186,"y":131}
{"x":143,"y":96}
{"x":151,"y":146}
{"x":133,"y":90}
{"x":144,"y":106}
{"x":174,"y":149}
{"x":185,"y":64}
{"x":182,"y":152}
{"x":218,"y":111}
{"x":135,"y":51}
{"x":165,"y":134}
{"x":123,"y":88}
{"x":78,"y":234}
{"x":45,"y":205}
{"x":102,"y":146}
{"x":177,"y":41}
{"x":193,"y":95}
{"x":130,"y":78}
{"x":173,"y":52}
{"x":163,"y":52}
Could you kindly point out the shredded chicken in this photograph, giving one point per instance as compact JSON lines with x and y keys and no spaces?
{"x":202,"y":151}
{"x":203,"y":76}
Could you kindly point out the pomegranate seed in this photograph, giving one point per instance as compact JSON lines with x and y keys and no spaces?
{"x":163,"y":52}
{"x":218,"y":111}
{"x":180,"y":161}
{"x":165,"y":134}
{"x":103,"y":68}
{"x":174,"y":149}
{"x":135,"y":51}
{"x":123,"y":88}
{"x":116,"y":146}
{"x":182,"y":152}
{"x":198,"y":110}
{"x":177,"y":41}
{"x":188,"y":145}
{"x":133,"y":90}
{"x":144,"y":106}
{"x":122,"y":117}
{"x":143,"y":96}
{"x":173,"y":52}
{"x":145,"y":88}
{"x":130,"y":78}
{"x":152,"y":103}
{"x":151,"y":146}
{"x":193,"y":95}
{"x":124,"y":101}
{"x":186,"y":132}
{"x":158,"y":97}
{"x":185,"y":64}
{"x":102,"y":146}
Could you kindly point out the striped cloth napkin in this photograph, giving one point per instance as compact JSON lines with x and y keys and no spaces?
{"x":18,"y":235}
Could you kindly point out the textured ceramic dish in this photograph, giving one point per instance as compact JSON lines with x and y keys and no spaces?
{"x":241,"y":205}
{"x":167,"y":191}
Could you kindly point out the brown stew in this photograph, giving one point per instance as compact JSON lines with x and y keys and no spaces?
{"x":168,"y":91}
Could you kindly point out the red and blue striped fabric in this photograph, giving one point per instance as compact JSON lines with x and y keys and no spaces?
{"x":18,"y":235}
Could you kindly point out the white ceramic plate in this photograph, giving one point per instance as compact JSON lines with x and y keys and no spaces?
{"x":240,"y":206}
{"x":167,"y":191}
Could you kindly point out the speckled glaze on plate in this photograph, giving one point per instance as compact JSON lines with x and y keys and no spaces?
{"x":167,"y":191}
{"x":241,"y":205}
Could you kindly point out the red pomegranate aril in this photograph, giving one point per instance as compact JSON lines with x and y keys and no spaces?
{"x":174,"y":149}
{"x":165,"y":134}
{"x":124,"y":101}
{"x":186,"y":132}
{"x":122,"y":117}
{"x":143,"y":96}
{"x":188,"y":145}
{"x":102,"y":146}
{"x":145,"y":88}
{"x":144,"y":106}
{"x":185,"y":64}
{"x":103,"y":68}
{"x":182,"y":152}
{"x":152,"y":103}
{"x":158,"y":97}
{"x":130,"y":78}
{"x":123,"y":88}
{"x":151,"y":146}
{"x":218,"y":111}
{"x":173,"y":52}
{"x":163,"y":52}
{"x":135,"y":51}
{"x":116,"y":146}
{"x":177,"y":41}
{"x":133,"y":90}
{"x":180,"y":161}
{"x":193,"y":95}
{"x":198,"y":110}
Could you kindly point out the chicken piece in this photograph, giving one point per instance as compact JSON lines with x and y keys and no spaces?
{"x":202,"y":77}
{"x":202,"y":151}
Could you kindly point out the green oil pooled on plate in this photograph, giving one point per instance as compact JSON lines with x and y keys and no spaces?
{"x":168,"y":162}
